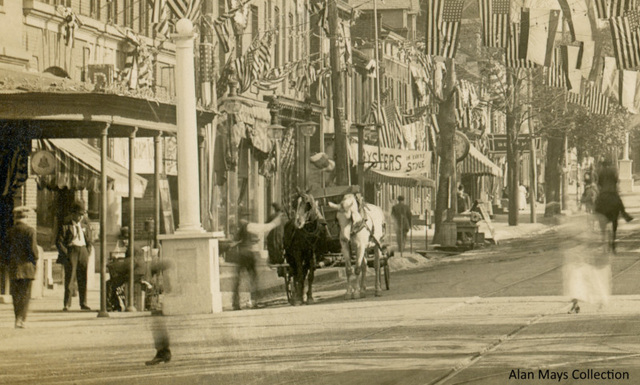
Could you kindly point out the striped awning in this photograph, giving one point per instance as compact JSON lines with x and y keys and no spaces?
{"x":78,"y":167}
{"x":398,"y":178}
{"x":476,"y":163}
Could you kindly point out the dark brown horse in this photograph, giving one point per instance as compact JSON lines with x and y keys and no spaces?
{"x":305,"y":238}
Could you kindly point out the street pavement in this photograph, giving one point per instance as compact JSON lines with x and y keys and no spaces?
{"x":488,"y":316}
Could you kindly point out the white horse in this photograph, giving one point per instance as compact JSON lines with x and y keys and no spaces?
{"x":360,"y":227}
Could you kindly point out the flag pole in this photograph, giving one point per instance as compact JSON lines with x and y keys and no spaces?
{"x":378,"y":106}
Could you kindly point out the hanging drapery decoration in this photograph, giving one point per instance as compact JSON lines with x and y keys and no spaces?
{"x":138,"y":68}
{"x":71,"y":23}
{"x":186,"y":9}
{"x":14,"y":162}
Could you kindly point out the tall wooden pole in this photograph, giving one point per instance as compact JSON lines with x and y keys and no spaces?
{"x":337,"y":95}
{"x":132,"y":226}
{"x":533,"y":178}
{"x":104,"y":203}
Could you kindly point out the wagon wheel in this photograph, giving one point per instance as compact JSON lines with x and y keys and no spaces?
{"x":386,"y":275}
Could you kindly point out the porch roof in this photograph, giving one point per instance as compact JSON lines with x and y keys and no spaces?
{"x":85,"y":114}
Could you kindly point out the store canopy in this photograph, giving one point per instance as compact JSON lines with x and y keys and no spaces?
{"x":476,"y":163}
{"x":78,"y":168}
{"x":398,"y":178}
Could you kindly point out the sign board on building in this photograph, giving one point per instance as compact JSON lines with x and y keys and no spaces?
{"x":43,"y":162}
{"x":395,"y":160}
{"x":499,"y":143}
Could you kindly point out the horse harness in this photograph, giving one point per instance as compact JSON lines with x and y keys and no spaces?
{"x":359,"y":226}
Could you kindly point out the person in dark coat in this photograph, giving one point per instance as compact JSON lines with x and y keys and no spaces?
{"x":608,"y":200}
{"x":23,"y":256}
{"x":74,"y":247}
{"x":401,"y":213}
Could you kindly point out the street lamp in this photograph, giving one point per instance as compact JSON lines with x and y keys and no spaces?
{"x":307,"y":129}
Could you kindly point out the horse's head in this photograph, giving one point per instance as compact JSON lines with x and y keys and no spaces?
{"x":305,"y":208}
{"x":349,"y":205}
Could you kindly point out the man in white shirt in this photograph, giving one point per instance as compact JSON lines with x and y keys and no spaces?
{"x":74,"y":246}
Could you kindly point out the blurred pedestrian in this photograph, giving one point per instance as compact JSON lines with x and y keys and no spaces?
{"x":589,"y":194}
{"x":247,"y":243}
{"x":23,"y":256}
{"x":522,"y":197}
{"x":401,"y":213}
{"x":275,"y":238}
{"x":74,"y":247}
{"x":119,"y":273}
{"x":463,"y":200}
{"x":159,"y":326}
{"x":608,"y":199}
{"x":587,"y":266}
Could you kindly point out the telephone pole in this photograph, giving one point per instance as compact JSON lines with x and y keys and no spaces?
{"x":337,"y":96}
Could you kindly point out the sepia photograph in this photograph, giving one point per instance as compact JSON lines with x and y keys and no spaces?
{"x":319,"y":192}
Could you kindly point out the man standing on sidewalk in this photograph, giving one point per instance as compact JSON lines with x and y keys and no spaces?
{"x":74,"y":247}
{"x":401,"y":213}
{"x":23,"y":256}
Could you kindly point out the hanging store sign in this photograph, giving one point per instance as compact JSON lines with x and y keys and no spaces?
{"x":43,"y":162}
{"x":395,"y":160}
{"x":499,"y":143}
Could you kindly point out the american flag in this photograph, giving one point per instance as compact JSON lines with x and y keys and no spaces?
{"x":189,"y":9}
{"x":557,"y":72}
{"x":620,"y":7}
{"x":222,"y":26}
{"x":494,"y":16}
{"x":443,"y":26}
{"x":625,"y":33}
{"x":389,"y":121}
{"x":513,"y":50}
{"x":602,"y":9}
{"x":597,"y":102}
{"x":158,"y":7}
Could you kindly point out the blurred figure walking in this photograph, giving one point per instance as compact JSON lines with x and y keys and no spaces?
{"x":23,"y":256}
{"x":401,"y":213}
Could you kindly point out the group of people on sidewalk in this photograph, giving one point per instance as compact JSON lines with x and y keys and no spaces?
{"x":21,"y":256}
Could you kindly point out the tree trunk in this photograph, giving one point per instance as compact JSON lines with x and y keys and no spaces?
{"x":337,"y":94}
{"x":553,"y":174}
{"x":513,"y":168}
{"x":447,"y":178}
{"x":513,"y":164}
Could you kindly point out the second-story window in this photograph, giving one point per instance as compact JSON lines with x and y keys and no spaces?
{"x":94,"y":9}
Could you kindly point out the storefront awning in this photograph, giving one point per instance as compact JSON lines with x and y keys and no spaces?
{"x":398,"y":178}
{"x":78,"y":167}
{"x":476,"y":163}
